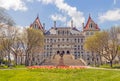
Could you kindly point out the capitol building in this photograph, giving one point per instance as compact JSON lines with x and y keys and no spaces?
{"x":68,"y":40}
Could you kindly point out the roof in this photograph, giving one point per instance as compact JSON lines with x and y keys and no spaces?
{"x":37,"y":21}
{"x":54,"y":30}
{"x":87,"y":26}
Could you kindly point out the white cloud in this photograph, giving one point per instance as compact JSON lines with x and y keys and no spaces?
{"x":58,"y":17}
{"x":70,"y":11}
{"x":111,"y":15}
{"x":13,"y":4}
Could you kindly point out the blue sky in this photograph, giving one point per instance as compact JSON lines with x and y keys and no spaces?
{"x":105,"y":13}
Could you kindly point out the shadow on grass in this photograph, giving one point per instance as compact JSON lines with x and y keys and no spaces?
{"x":116,"y":67}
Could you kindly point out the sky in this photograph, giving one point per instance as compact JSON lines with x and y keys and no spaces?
{"x":106,"y":13}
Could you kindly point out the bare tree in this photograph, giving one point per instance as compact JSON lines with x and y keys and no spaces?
{"x":6,"y":35}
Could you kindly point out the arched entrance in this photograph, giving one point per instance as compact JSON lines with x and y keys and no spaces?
{"x":68,"y":52}
{"x":58,"y":52}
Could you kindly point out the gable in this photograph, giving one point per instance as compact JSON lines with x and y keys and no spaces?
{"x":37,"y":24}
{"x":91,"y":25}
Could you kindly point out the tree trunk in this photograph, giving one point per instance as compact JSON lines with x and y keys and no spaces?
{"x":111,"y":63}
{"x":26,"y":60}
{"x":15,"y":59}
{"x":21,"y":60}
{"x":9,"y":60}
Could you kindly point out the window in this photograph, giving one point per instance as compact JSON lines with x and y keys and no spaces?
{"x":58,"y":40}
{"x":58,"y":45}
{"x":50,"y":45}
{"x":50,"y":40}
{"x":62,"y":39}
{"x":75,"y":46}
{"x":54,"y":40}
{"x":87,"y":58}
{"x":75,"y":40}
{"x":90,"y":25}
{"x":81,"y":40}
{"x":47,"y":45}
{"x":81,"y":47}
{"x":67,"y":39}
{"x":63,"y":32}
{"x":67,"y":32}
{"x":35,"y":26}
{"x":47,"y":40}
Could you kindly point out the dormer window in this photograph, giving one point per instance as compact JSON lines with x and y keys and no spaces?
{"x":90,"y":25}
{"x":35,"y":26}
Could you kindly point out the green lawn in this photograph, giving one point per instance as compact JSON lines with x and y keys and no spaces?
{"x":59,"y":75}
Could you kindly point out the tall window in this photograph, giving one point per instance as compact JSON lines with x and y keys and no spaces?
{"x":50,"y":40}
{"x":67,"y":39}
{"x":63,"y":39}
{"x":35,"y":26}
{"x":63,"y":32}
{"x":81,"y":47}
{"x":81,"y":40}
{"x":90,"y":25}
{"x":75,"y":40}
{"x":67,"y":32}
{"x":58,"y":40}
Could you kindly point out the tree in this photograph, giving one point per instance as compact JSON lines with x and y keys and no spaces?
{"x":35,"y":40}
{"x":105,"y":43}
{"x":6,"y":23}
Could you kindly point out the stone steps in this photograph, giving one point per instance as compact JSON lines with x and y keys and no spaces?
{"x":67,"y":59}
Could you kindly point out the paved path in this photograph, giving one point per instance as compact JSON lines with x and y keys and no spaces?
{"x":102,"y":68}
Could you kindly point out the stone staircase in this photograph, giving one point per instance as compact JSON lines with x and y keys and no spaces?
{"x":68,"y":59}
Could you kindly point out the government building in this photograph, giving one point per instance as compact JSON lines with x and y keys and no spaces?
{"x":68,"y":40}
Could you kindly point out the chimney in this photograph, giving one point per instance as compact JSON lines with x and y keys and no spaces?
{"x":55,"y":24}
{"x":83,"y":25}
{"x":72,"y":23}
{"x":44,"y":26}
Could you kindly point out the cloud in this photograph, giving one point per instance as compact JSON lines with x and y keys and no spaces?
{"x":110,"y":15}
{"x":13,"y":4}
{"x":58,"y":17}
{"x":70,"y":11}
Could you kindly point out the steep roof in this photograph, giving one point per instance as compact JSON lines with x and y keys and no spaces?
{"x":87,"y":26}
{"x":38,"y":23}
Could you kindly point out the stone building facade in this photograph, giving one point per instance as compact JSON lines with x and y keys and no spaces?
{"x":67,"y":40}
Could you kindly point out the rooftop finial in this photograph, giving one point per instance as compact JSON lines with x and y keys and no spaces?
{"x":43,"y":25}
{"x":89,"y":15}
{"x":37,"y":15}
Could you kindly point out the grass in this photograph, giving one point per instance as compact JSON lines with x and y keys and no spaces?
{"x":59,"y":75}
{"x":115,"y":66}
